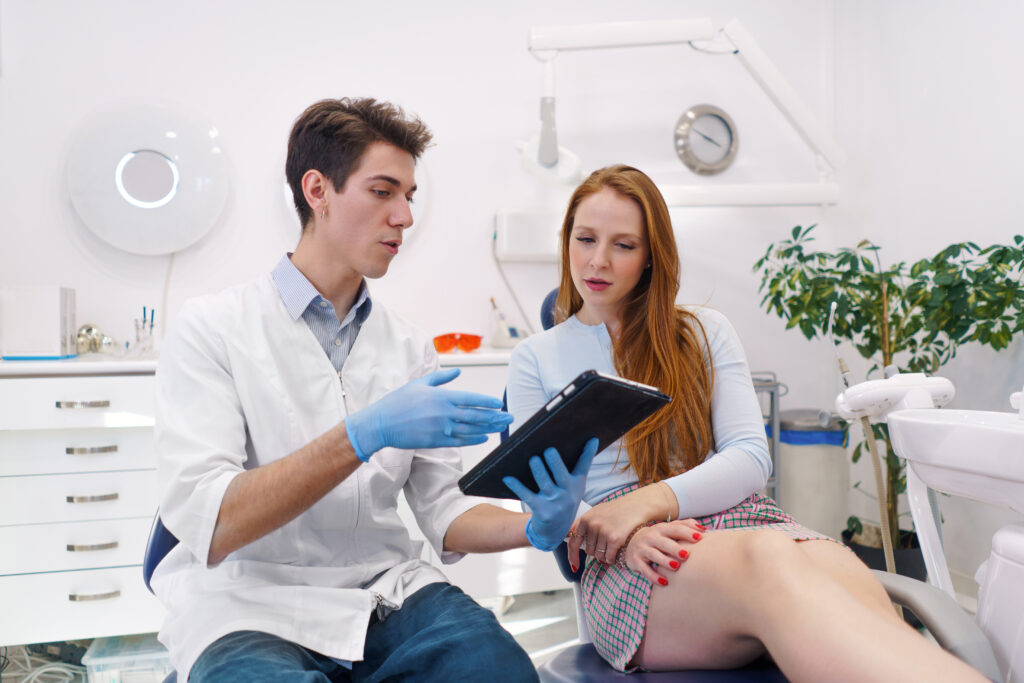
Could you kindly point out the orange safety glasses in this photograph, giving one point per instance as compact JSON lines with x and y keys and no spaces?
{"x":466,"y":342}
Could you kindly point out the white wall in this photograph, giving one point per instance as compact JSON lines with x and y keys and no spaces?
{"x":928,"y":105}
{"x":922,"y":95}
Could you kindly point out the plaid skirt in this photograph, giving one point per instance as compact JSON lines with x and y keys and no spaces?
{"x":615,"y":599}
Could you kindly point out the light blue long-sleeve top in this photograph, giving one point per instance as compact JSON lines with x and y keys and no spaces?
{"x":738,"y":463}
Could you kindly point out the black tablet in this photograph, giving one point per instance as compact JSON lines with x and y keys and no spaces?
{"x":592,"y":405}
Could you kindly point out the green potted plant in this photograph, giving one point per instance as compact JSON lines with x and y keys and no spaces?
{"x":912,"y":316}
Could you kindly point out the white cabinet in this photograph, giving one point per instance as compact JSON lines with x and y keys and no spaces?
{"x":77,"y":492}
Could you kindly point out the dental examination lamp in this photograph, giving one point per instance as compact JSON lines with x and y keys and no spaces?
{"x":557,"y":163}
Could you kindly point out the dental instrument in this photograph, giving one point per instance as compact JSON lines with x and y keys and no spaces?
{"x":876,"y":461}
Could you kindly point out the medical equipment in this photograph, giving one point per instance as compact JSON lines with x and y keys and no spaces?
{"x":147,"y":179}
{"x":876,"y":461}
{"x":144,"y":339}
{"x":542,"y":155}
{"x":461,"y":340}
{"x":971,"y":453}
{"x":37,"y":322}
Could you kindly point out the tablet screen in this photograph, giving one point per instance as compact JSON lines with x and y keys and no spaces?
{"x":592,"y":405}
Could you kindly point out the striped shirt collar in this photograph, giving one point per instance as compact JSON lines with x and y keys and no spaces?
{"x":297,"y":292}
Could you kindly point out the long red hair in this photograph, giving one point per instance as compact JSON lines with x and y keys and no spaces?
{"x":659,"y":343}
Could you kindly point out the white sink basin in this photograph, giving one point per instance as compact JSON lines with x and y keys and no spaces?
{"x":973,"y":453}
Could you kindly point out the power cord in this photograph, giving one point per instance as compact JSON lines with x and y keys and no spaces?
{"x":501,"y":271}
{"x":22,"y":666}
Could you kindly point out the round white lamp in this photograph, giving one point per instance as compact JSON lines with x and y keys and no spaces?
{"x":147,"y":180}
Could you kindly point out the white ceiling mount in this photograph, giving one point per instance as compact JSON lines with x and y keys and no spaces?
{"x":619,"y":34}
{"x":829,"y":156}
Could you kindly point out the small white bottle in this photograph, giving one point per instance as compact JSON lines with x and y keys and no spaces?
{"x":505,"y":335}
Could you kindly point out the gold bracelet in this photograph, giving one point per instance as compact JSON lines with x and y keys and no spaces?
{"x":671,"y":494}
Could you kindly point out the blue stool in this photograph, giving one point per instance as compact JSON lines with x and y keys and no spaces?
{"x":159,"y":544}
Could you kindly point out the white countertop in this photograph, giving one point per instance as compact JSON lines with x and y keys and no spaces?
{"x":93,"y":364}
{"x":482,"y":356}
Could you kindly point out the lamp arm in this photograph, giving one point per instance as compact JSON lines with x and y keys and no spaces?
{"x":781,"y":93}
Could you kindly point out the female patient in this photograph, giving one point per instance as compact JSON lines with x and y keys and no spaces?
{"x":686,"y":566}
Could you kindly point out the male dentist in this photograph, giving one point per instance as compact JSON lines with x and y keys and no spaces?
{"x":291,"y":411}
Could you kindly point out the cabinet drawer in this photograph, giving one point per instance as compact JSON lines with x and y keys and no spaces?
{"x":69,"y":402}
{"x":75,"y":450}
{"x":37,"y":548}
{"x":37,"y":607}
{"x":77,"y":497}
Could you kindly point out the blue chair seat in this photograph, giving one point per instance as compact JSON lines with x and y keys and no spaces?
{"x":582,"y":664}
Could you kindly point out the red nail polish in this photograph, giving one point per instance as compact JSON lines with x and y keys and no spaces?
{"x":702,"y":527}
{"x":684,"y":554}
{"x":673,"y":564}
{"x":573,"y":567}
{"x":696,"y":536}
{"x":662,"y":580}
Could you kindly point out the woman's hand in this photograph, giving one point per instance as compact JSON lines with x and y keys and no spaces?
{"x":602,"y":530}
{"x":656,"y":550}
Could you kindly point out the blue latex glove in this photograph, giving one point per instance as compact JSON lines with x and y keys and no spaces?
{"x":420,"y":415}
{"x":554,"y":505}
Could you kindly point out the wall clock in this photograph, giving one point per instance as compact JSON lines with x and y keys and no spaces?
{"x":706,"y":139}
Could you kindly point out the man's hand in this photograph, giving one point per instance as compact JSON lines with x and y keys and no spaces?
{"x":554,"y":505}
{"x":421,"y":415}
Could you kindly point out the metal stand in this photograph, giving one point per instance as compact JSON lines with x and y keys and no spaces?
{"x":767,"y":383}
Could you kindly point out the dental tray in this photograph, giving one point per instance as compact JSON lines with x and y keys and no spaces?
{"x":592,"y":405}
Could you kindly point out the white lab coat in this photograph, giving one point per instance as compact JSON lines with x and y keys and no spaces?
{"x":241,"y":384}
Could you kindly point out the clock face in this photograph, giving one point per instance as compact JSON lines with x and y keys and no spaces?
{"x":710,"y":138}
{"x":706,"y":139}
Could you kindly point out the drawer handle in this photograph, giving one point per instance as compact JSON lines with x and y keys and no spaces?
{"x":83,"y":404}
{"x":72,"y":548}
{"x":71,"y":450}
{"x":92,"y":499}
{"x":81,"y":597}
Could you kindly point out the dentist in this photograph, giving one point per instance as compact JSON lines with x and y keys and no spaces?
{"x":292,"y":411}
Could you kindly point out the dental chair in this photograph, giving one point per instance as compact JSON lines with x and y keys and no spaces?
{"x":949,"y":625}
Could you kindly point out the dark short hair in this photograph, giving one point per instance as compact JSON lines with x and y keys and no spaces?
{"x":332,"y":135}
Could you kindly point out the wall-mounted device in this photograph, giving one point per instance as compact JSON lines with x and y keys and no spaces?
{"x":146,"y":179}
{"x":37,"y":322}
{"x":550,"y":160}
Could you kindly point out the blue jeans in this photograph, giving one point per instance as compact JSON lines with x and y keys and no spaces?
{"x":439,"y":634}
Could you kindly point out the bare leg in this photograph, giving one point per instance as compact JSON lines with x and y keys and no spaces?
{"x":816,"y":609}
